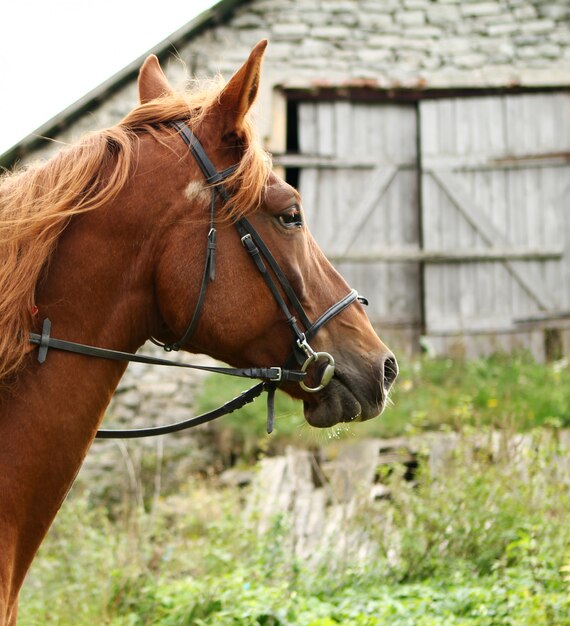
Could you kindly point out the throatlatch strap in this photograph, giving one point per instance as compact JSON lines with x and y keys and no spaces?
{"x":214,"y":178}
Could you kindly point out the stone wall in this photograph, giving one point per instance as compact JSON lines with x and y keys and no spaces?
{"x":391,"y":44}
{"x":150,"y":395}
{"x":397,"y":42}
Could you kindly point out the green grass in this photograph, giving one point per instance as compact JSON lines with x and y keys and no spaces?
{"x":503,"y":389}
{"x":482,"y":544}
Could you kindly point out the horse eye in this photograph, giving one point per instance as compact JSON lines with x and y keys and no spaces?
{"x":291,"y":218}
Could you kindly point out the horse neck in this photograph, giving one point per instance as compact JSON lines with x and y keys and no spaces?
{"x":99,"y":291}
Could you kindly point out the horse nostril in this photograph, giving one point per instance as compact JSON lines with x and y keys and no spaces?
{"x":390,"y":371}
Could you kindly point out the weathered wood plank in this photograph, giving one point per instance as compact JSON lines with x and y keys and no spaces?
{"x":364,"y":194}
{"x":343,"y":161}
{"x":461,"y":198}
{"x":307,"y":128}
{"x":480,"y":162}
{"x":377,"y":185}
{"x":474,"y":255}
{"x":510,"y":154}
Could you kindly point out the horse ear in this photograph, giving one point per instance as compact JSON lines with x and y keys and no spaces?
{"x":152,"y":81}
{"x":240,"y":92}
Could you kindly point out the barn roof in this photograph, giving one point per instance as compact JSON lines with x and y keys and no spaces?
{"x":216,"y":14}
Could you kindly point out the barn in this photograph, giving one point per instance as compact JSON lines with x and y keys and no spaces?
{"x":430,"y":140}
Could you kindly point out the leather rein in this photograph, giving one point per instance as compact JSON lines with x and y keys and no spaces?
{"x":271,"y":377}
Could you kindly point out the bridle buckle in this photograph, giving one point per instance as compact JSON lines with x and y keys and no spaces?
{"x":278,"y":374}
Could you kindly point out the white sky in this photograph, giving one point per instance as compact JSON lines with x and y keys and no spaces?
{"x":53,"y":52}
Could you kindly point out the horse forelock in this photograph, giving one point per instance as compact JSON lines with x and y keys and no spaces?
{"x":37,"y":202}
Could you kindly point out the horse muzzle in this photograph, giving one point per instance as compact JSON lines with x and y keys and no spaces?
{"x":356,"y":392}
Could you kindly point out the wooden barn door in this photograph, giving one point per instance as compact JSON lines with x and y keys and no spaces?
{"x":496,"y":197}
{"x":359,"y":183}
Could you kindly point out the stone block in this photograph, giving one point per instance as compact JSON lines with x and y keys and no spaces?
{"x":120,"y":412}
{"x":290,"y":31}
{"x":497,"y":51}
{"x":422,"y":32}
{"x":561,"y":37}
{"x":471,"y":60}
{"x":316,"y":18}
{"x":528,"y":39}
{"x":250,"y":36}
{"x":478,"y":9}
{"x":160,"y":388}
{"x":544,"y":50}
{"x":416,"y":43}
{"x":526,"y":12}
{"x":314,"y":48}
{"x":374,"y":76}
{"x":249,"y":20}
{"x":376,"y":21}
{"x":549,"y":50}
{"x":442,"y":14}
{"x":385,"y":41}
{"x":527,"y":52}
{"x":451,"y":45}
{"x":263,"y":6}
{"x":348,"y":19}
{"x":537,"y":26}
{"x":464,"y":28}
{"x":379,"y":6}
{"x":331,"y":32}
{"x":338,"y":6}
{"x":409,"y":60}
{"x":373,"y":55}
{"x":498,"y":30}
{"x":539,"y":62}
{"x":541,"y":77}
{"x":279,"y":50}
{"x":131,"y":398}
{"x":416,"y":4}
{"x":410,"y":18}
{"x":555,"y":11}
{"x":431,"y":62}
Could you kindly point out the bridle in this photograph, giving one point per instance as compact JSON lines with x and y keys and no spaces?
{"x":302,"y":353}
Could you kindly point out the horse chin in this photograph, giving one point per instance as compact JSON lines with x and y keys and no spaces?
{"x":338,"y":403}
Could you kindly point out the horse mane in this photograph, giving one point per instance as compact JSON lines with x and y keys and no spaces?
{"x":37,"y":203}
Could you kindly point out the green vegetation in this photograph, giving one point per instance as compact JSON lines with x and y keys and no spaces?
{"x":501,"y":390}
{"x":484,"y":543}
{"x":430,"y":394}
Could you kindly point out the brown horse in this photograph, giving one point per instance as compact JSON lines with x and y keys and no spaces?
{"x":106,"y":240}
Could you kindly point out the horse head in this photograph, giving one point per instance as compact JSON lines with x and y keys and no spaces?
{"x":241,"y":321}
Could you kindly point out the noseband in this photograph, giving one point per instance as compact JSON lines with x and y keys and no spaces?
{"x":302,"y":353}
